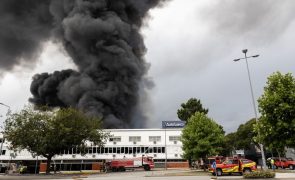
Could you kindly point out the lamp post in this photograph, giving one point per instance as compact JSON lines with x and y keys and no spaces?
{"x":253,"y":100}
{"x":2,"y":141}
{"x":5,"y":105}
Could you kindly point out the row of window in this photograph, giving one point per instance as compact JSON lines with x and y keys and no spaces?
{"x":117,"y":150}
{"x":138,"y":138}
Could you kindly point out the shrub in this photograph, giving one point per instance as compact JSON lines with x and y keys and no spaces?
{"x":259,"y":174}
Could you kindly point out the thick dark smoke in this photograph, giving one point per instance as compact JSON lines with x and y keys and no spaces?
{"x":102,"y":38}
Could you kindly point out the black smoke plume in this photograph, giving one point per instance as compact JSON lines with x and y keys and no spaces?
{"x":101,"y":36}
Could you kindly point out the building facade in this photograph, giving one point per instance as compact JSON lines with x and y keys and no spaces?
{"x":163,"y":145}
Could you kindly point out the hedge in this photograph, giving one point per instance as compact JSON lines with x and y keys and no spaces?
{"x":259,"y":174}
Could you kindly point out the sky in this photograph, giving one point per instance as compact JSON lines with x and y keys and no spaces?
{"x":190,"y":48}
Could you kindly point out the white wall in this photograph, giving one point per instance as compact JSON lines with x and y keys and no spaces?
{"x":174,"y":151}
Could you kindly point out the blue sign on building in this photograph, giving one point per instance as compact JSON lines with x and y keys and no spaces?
{"x":173,"y":124}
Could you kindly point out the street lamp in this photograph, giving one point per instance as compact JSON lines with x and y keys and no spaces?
{"x":5,"y":105}
{"x":253,"y":100}
{"x":2,"y":141}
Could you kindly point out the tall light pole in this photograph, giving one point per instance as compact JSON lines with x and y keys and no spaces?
{"x":2,"y":141}
{"x":253,"y":101}
{"x":5,"y":105}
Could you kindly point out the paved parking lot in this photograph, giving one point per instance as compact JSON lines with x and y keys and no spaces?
{"x":138,"y":175}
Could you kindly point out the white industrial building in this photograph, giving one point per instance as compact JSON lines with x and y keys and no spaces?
{"x":161,"y":144}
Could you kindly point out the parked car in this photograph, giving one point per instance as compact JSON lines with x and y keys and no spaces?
{"x":284,"y":163}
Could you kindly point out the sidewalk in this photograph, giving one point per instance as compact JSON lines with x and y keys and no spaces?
{"x":285,"y":175}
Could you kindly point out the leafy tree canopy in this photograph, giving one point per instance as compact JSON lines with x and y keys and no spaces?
{"x":189,"y":108}
{"x":245,"y":135}
{"x":229,"y":144}
{"x":243,"y":138}
{"x":49,"y":133}
{"x":201,"y":137}
{"x":277,"y":107}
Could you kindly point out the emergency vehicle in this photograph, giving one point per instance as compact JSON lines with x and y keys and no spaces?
{"x":234,"y":165}
{"x":217,"y":159}
{"x":146,"y":163}
{"x":284,"y":163}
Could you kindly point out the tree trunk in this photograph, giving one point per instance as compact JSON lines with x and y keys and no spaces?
{"x":48,"y":164}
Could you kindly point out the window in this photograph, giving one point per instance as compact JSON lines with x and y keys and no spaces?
{"x":115,"y":139}
{"x":174,"y":138}
{"x":245,"y":161}
{"x":154,"y":138}
{"x":150,"y":150}
{"x":75,"y":150}
{"x":71,"y":151}
{"x":229,"y":161}
{"x":134,"y":138}
{"x":90,"y":150}
{"x":130,"y":150}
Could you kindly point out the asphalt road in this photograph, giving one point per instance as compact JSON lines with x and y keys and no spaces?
{"x":139,"y":175}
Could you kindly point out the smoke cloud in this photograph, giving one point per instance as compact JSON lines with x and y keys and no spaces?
{"x":101,"y":36}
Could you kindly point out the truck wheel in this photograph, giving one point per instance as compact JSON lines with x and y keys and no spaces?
{"x":146,"y":167}
{"x":121,"y":169}
{"x":114,"y":169}
{"x":291,"y":166}
{"x":219,"y":172}
{"x":247,"y":170}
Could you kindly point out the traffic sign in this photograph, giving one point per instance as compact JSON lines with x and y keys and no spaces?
{"x":214,"y":165}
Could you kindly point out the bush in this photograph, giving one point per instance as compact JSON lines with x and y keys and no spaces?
{"x":259,"y":174}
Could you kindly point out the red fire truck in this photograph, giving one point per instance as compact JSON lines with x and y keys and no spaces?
{"x":234,"y":165}
{"x":114,"y":165}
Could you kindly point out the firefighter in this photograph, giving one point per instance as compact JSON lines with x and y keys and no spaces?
{"x":268,"y":163}
{"x":272,"y":162}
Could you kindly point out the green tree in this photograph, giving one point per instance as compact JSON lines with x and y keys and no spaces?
{"x":46,"y":134}
{"x":243,"y":138}
{"x":201,"y":137}
{"x":229,"y":144}
{"x":245,"y":135}
{"x":189,"y":108}
{"x":276,"y":126}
